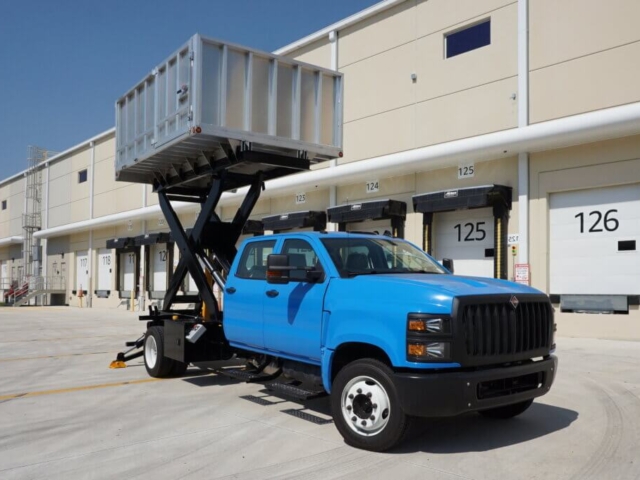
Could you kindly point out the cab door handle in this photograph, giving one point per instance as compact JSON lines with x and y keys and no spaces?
{"x":272,"y":293}
{"x":230,"y":290}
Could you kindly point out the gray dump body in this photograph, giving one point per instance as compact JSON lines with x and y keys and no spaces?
{"x":211,"y":98}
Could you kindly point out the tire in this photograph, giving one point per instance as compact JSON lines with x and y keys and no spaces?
{"x":157,"y":365}
{"x":363,"y":390}
{"x":508,"y":411}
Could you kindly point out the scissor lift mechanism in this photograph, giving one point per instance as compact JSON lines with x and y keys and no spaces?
{"x":210,"y":245}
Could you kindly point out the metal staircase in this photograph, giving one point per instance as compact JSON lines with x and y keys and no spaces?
{"x":36,"y":285}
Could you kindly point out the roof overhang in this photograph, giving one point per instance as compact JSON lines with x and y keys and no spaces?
{"x":11,"y":241}
{"x":565,"y":132}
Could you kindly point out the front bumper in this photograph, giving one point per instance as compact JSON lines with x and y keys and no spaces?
{"x":449,"y":394}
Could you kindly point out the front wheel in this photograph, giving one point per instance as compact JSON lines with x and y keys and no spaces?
{"x":507,"y":411}
{"x":366,"y":408}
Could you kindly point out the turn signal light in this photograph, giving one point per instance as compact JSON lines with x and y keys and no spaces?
{"x":429,"y":351}
{"x":416,"y":349}
{"x":417,"y":326}
{"x":437,"y":325}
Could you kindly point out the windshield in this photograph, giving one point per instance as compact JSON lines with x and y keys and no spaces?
{"x":369,"y":256}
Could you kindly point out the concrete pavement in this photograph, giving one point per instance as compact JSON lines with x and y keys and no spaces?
{"x":65,"y":415}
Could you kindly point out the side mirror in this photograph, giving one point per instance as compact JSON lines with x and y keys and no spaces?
{"x":278,"y":269}
{"x":448,"y":264}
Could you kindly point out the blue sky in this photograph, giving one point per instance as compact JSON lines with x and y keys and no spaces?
{"x":64,"y":63}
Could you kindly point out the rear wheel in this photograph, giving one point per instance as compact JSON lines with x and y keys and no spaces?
{"x":157,"y":365}
{"x":508,"y":411}
{"x":366,"y":408}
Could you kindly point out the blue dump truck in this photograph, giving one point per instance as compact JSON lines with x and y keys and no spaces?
{"x":371,"y":320}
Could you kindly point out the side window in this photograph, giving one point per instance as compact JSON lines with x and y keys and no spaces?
{"x":301,"y":254}
{"x":253,"y":263}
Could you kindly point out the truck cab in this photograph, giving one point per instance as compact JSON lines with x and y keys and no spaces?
{"x":388,"y":331}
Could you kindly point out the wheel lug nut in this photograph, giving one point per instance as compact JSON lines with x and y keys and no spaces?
{"x":375,"y":405}
{"x":349,"y":407}
{"x":364,"y":423}
{"x":369,"y":394}
{"x":372,"y":418}
{"x":351,"y":396}
{"x":353,"y":419}
{"x":359,"y":390}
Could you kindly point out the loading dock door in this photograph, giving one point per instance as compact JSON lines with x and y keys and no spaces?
{"x":105,"y":269}
{"x":467,"y":237}
{"x":594,"y":239}
{"x":469,"y":225}
{"x":127,"y":271}
{"x":82,"y":271}
{"x":159,"y":272}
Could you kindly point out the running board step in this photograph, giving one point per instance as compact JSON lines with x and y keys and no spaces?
{"x":248,"y":376}
{"x":294,"y":391}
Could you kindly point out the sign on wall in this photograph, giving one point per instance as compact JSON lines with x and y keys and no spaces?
{"x":522,"y":273}
{"x":372,"y":186}
{"x":513,"y":239}
{"x":301,"y":198}
{"x":466,"y":170}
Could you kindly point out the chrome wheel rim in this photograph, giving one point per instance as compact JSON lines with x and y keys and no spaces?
{"x":365,"y":406}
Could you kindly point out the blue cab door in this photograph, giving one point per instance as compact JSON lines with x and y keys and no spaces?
{"x":292,"y":313}
{"x":244,"y":296}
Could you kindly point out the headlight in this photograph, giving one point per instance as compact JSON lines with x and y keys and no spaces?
{"x":429,"y":337}
{"x":429,"y":351}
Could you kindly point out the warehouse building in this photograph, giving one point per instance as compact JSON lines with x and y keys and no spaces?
{"x":504,"y":135}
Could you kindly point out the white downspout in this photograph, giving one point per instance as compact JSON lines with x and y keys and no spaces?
{"x":45,"y":242}
{"x":91,"y":260}
{"x":143,"y":259}
{"x":523,"y":121}
{"x":333,"y":190}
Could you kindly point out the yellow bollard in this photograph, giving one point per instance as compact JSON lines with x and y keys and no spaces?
{"x":133,"y":296}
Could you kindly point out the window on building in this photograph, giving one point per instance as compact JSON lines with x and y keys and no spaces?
{"x":4,"y":204}
{"x":82,"y":176}
{"x":468,"y":38}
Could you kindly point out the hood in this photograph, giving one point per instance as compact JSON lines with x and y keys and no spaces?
{"x":449,"y":285}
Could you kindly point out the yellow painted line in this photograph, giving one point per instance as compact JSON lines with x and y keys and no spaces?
{"x":50,"y":356}
{"x":76,"y":389}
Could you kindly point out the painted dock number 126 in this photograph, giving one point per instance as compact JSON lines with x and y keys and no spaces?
{"x":608,"y":221}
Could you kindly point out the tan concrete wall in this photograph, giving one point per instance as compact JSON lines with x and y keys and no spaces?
{"x":315,"y":200}
{"x":581,"y":55}
{"x":316,"y":53}
{"x":11,"y":218}
{"x":602,"y":164}
{"x":484,"y":109}
{"x":377,"y":34}
{"x":438,"y":76}
{"x":69,"y":199}
{"x":437,"y":15}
